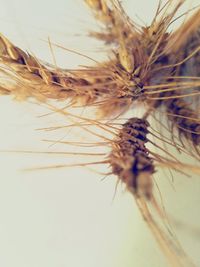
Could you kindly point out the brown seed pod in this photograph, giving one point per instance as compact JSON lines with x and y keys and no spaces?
{"x":130,"y":159}
{"x":185,"y":119}
{"x":131,"y":162}
{"x":184,"y":58}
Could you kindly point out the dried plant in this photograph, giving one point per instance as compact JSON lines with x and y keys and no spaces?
{"x":149,"y":67}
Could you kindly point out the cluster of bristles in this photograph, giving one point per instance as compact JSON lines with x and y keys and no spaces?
{"x":149,"y":66}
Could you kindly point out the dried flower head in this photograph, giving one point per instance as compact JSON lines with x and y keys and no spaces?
{"x":148,"y":66}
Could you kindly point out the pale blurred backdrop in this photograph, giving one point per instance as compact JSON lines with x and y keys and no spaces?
{"x":68,"y":217}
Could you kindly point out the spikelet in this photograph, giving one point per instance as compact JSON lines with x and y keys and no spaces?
{"x":35,"y":79}
{"x":119,"y":81}
{"x":25,"y":76}
{"x":182,"y":37}
{"x":114,"y":19}
{"x":185,"y":120}
{"x":130,"y":160}
{"x":189,"y":48}
{"x":184,"y":53}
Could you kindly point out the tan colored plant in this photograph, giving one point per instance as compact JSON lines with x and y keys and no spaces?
{"x":148,"y":66}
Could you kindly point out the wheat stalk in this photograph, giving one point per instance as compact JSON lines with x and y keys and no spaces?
{"x":143,"y":69}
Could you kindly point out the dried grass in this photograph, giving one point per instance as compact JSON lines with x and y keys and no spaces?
{"x":148,"y":66}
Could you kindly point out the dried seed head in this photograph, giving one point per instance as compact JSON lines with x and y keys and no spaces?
{"x":116,"y":22}
{"x":130,"y":160}
{"x":26,"y":77}
{"x":94,"y":4}
{"x":101,"y":10}
{"x":190,"y":49}
{"x":126,"y":58}
{"x":181,"y":38}
{"x":184,"y":118}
